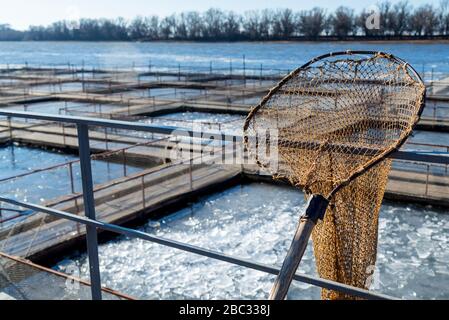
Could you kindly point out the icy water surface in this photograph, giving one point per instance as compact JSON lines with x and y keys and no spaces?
{"x":256,"y":222}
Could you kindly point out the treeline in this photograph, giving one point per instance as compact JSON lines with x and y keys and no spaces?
{"x":396,"y":20}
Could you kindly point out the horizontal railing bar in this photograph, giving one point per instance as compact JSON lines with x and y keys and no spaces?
{"x":331,"y":285}
{"x":96,"y":157}
{"x":124,"y":125}
{"x":92,"y":122}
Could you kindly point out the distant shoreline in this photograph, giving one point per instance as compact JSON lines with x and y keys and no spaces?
{"x":290,"y":41}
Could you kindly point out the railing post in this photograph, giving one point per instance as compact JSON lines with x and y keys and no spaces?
{"x":106,"y":138}
{"x":124,"y":163}
{"x":244,"y":71}
{"x":427,"y":180}
{"x":191,"y":172}
{"x":72,"y":183}
{"x":89,"y":210}
{"x":72,"y":189}
{"x":434,"y":110}
{"x":10,"y":128}
{"x":447,"y":165}
{"x":143,"y":192}
{"x":63,"y":135}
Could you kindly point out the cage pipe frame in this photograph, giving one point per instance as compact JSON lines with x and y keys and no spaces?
{"x":61,"y":275}
{"x":84,"y":150}
{"x":95,"y":157}
{"x":170,"y":130}
{"x":332,"y":285}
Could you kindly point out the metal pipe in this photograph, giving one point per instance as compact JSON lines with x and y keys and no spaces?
{"x":191,"y":172}
{"x":143,"y":192}
{"x":72,"y":183}
{"x":244,"y":70}
{"x":10,"y":127}
{"x":64,"y":141}
{"x":89,"y":210}
{"x":106,"y":138}
{"x":124,"y":164}
{"x":167,"y":130}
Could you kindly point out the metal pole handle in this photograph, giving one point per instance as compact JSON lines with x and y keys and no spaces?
{"x":316,"y":210}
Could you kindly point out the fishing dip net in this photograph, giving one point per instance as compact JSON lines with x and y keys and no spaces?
{"x":335,"y":121}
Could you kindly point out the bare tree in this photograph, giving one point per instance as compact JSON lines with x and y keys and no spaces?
{"x":181,"y":27}
{"x":424,"y":21}
{"x":231,"y":26}
{"x":328,"y":25}
{"x":396,"y":19}
{"x":283,"y":23}
{"x":9,"y":34}
{"x":251,"y":23}
{"x":443,"y":17}
{"x":399,"y":18}
{"x":194,"y":25}
{"x":213,"y":24}
{"x":167,"y":27}
{"x":138,"y":29}
{"x":343,"y":22}
{"x":266,"y":24}
{"x":153,"y":27}
{"x":312,"y":23}
{"x":386,"y":19}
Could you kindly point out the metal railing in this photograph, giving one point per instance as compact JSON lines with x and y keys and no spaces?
{"x":93,"y":225}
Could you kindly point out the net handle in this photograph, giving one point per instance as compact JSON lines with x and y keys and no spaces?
{"x":316,"y":210}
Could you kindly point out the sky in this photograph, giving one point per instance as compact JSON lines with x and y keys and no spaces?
{"x":20,"y":14}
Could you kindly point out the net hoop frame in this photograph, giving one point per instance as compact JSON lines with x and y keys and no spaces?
{"x":377,"y":159}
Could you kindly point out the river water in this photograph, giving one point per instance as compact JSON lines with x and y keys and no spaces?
{"x":284,"y":56}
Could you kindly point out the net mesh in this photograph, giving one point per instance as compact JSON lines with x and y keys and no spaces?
{"x":333,"y":121}
{"x":23,"y":280}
